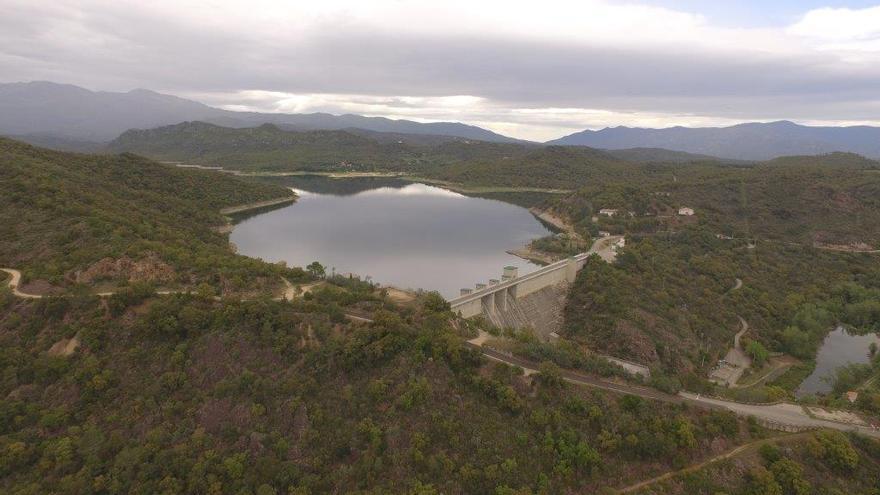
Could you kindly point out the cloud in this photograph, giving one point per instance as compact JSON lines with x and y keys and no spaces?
{"x":530,"y":68}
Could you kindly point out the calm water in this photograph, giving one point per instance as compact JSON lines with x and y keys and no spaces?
{"x":838,"y":349}
{"x":403,"y":234}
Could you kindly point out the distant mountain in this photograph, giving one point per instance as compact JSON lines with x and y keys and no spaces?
{"x":752,"y":141}
{"x":46,"y":111}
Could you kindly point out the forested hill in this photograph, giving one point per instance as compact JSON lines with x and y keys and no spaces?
{"x":188,"y":393}
{"x":269,"y":148}
{"x":800,"y":233}
{"x":69,"y":219}
{"x":549,"y":167}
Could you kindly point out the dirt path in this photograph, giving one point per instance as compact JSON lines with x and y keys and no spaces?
{"x":290,"y":290}
{"x":14,"y":283}
{"x":736,"y":361}
{"x":606,"y":248}
{"x":738,"y":285}
{"x":738,"y":451}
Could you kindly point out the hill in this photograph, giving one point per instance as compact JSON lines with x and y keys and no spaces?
{"x":142,"y":392}
{"x":48,"y":111}
{"x":69,"y":219}
{"x":556,"y":167}
{"x":271,"y":148}
{"x":659,"y":155}
{"x":790,"y":230}
{"x":751,"y":141}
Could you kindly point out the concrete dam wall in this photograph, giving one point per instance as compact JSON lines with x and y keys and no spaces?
{"x":535,"y":299}
{"x":540,"y":310}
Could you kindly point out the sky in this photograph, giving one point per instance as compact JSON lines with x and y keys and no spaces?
{"x":529,"y":69}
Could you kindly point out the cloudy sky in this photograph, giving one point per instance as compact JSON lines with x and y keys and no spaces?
{"x":530,"y":69}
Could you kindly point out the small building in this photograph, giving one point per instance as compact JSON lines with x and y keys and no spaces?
{"x":686,"y":212}
{"x":603,"y":233}
{"x":852,"y":396}
{"x":608,"y":212}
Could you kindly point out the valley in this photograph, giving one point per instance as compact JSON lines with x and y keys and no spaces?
{"x":314,"y":335}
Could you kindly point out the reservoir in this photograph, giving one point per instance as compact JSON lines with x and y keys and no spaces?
{"x":840,"y":348}
{"x":399,"y":233}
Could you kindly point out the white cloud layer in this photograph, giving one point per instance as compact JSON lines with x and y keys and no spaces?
{"x":531,"y":69}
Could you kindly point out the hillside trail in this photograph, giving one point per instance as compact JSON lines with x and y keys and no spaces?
{"x":742,"y":449}
{"x":289,"y":292}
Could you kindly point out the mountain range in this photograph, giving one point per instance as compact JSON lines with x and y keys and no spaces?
{"x":751,"y":141}
{"x":69,"y":117}
{"x":50,"y":113}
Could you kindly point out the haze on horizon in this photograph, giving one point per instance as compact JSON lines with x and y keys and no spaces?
{"x":529,"y":70}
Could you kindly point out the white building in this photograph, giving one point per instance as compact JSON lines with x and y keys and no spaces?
{"x":686,"y":212}
{"x":608,"y":212}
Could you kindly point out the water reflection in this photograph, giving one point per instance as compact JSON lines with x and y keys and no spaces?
{"x":404,"y":234}
{"x":840,"y":348}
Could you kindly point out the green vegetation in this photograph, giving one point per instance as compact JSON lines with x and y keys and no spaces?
{"x":190,"y":393}
{"x":68,"y":219}
{"x":269,"y":148}
{"x":825,"y":462}
{"x":473,"y":163}
{"x":187,"y":394}
{"x":669,"y":299}
{"x":549,"y":167}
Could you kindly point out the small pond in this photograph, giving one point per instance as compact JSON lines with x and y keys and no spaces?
{"x":840,"y":348}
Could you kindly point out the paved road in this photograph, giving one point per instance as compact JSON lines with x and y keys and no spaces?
{"x":785,"y":414}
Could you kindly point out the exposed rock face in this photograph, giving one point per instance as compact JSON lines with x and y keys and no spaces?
{"x":64,"y":347}
{"x":148,"y":269}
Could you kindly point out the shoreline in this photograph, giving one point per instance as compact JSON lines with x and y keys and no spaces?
{"x":231,"y":210}
{"x":452,"y":186}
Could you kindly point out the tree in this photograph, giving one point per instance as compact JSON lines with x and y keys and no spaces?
{"x":835,"y":449}
{"x":790,"y":475}
{"x":762,"y":482}
{"x":757,"y":352}
{"x":316,"y":269}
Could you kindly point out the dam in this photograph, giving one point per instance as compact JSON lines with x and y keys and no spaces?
{"x":532,"y":300}
{"x":494,"y":296}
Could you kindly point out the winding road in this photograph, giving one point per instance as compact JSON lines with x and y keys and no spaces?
{"x":782,"y":414}
{"x":786,"y":414}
